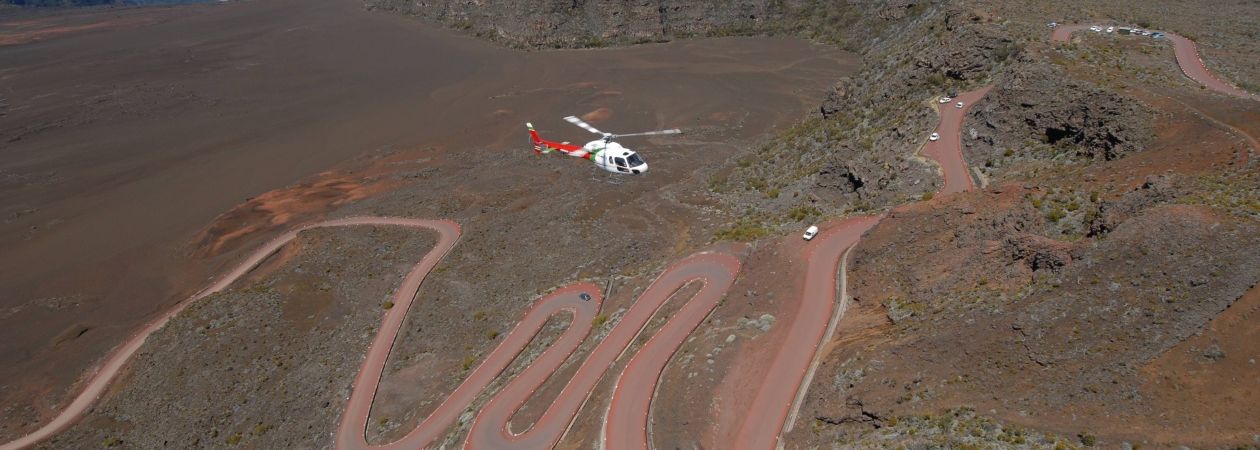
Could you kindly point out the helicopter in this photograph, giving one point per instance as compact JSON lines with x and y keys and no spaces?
{"x":605,"y":153}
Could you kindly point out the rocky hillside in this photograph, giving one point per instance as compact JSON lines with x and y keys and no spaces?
{"x":576,"y":24}
{"x":1078,"y":284}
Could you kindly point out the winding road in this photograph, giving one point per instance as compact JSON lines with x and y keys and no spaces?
{"x":626,"y":418}
{"x":947,"y":151}
{"x":109,"y":369}
{"x":1188,"y":59}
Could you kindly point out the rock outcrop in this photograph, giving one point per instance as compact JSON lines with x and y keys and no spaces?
{"x":1040,"y":112}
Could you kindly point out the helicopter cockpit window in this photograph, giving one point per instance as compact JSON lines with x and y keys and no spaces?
{"x":621,"y":161}
{"x":635,"y":160}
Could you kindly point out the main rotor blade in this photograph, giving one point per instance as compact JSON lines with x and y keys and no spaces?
{"x":649,"y":133}
{"x":585,"y":126}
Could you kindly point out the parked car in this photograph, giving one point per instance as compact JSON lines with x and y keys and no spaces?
{"x":1052,"y":24}
{"x":1111,"y":29}
{"x":958,"y":105}
{"x":945,"y":100}
{"x":934,"y":136}
{"x":1157,"y":35}
{"x":1095,"y":28}
{"x":810,"y":232}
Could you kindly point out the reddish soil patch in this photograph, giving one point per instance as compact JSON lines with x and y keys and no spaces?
{"x":283,"y":207}
{"x":35,"y":30}
{"x":598,"y":115}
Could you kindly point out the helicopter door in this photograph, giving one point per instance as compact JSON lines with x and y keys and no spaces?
{"x":621,"y":164}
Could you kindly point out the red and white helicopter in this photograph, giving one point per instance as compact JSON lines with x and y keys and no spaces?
{"x":605,"y":153}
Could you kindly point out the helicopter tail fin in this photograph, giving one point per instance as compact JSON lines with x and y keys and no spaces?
{"x":535,"y":140}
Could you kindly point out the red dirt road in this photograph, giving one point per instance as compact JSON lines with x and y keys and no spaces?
{"x":778,"y":390}
{"x":626,"y":421}
{"x":1187,"y":58}
{"x":102,"y":376}
{"x":948,"y":150}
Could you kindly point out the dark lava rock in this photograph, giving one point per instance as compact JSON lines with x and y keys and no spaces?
{"x":1157,"y":189}
{"x":1039,"y":104}
{"x":1038,"y":252}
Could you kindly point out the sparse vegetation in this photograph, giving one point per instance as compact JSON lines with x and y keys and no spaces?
{"x":599,"y":320}
{"x":743,"y":230}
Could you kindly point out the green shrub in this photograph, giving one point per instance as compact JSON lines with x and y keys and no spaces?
{"x":928,"y":195}
{"x":599,"y":320}
{"x":745,"y":230}
{"x":800,"y":213}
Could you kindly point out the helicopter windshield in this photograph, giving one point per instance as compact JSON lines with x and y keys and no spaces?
{"x":635,"y":160}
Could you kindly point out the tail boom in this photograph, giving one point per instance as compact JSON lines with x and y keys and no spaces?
{"x":544,"y":146}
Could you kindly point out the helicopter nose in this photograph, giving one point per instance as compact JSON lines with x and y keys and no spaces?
{"x":641,"y":168}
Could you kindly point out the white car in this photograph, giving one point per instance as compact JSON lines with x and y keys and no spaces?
{"x":1111,"y":29}
{"x":1095,"y":28}
{"x":934,"y":136}
{"x":810,"y":232}
{"x":958,"y":105}
{"x":945,"y":100}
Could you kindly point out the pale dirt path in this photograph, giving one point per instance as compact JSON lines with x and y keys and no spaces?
{"x":1188,"y":59}
{"x":103,"y":375}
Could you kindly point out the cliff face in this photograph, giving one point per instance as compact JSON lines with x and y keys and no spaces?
{"x":577,"y":23}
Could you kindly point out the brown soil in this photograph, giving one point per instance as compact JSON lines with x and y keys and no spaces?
{"x":1210,"y":380}
{"x":115,"y":210}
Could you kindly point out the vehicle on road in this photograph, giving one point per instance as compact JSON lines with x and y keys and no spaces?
{"x":934,"y":136}
{"x":1052,"y":24}
{"x":958,"y":105}
{"x":810,"y":232}
{"x":1157,"y":35}
{"x":1095,"y":28}
{"x":605,"y":153}
{"x":944,"y":100}
{"x":1111,"y":29}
